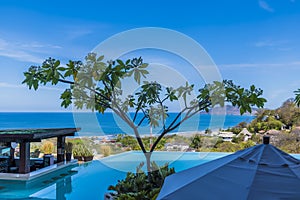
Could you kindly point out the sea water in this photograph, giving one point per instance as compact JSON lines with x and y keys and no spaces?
{"x":109,"y":123}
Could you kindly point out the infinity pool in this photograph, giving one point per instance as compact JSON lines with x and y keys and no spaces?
{"x":90,"y":180}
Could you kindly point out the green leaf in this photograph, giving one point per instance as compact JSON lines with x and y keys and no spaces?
{"x":100,"y":58}
{"x":35,"y":84}
{"x":144,"y":65}
{"x":120,"y":62}
{"x":61,"y":68}
{"x":68,"y":73}
{"x":242,"y":110}
{"x":56,"y":64}
{"x":137,"y":76}
{"x":144,"y":72}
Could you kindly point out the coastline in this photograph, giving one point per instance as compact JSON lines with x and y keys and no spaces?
{"x":107,"y":124}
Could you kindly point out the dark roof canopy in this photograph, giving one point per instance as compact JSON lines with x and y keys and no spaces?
{"x":35,"y":135}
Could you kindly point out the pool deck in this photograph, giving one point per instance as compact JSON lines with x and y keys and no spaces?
{"x":38,"y":173}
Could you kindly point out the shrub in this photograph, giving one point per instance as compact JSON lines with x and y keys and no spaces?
{"x":87,"y":152}
{"x":227,"y":147}
{"x":196,"y":141}
{"x":247,"y":144}
{"x":105,"y":150}
{"x":238,"y":138}
{"x":47,"y":147}
{"x":78,"y":150}
{"x":141,"y":185}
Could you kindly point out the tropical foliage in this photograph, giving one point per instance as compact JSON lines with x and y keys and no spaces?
{"x":288,"y":142}
{"x":140,"y":185}
{"x":289,"y":113}
{"x":297,"y":98}
{"x":286,"y":116}
{"x":207,"y":144}
{"x":82,"y":150}
{"x":97,"y":85}
{"x":47,"y":147}
{"x":132,"y":144}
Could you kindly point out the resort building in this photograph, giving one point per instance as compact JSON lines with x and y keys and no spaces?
{"x":247,"y":135}
{"x":25,"y":167}
{"x":226,"y":136}
{"x":176,"y":147}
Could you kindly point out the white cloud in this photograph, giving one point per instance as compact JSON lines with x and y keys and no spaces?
{"x":279,"y":45}
{"x":20,"y":86}
{"x":20,"y":55}
{"x":270,"y":43}
{"x":264,"y":5}
{"x":36,"y":45}
{"x":24,"y":51}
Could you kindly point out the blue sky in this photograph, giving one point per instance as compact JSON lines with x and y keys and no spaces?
{"x":251,"y":42}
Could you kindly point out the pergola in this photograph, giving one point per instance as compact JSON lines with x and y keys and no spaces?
{"x":25,"y":136}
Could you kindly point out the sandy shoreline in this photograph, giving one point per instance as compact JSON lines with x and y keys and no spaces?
{"x":184,"y":134}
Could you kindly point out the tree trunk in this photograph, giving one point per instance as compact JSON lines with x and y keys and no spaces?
{"x":148,"y":160}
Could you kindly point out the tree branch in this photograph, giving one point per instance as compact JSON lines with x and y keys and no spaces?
{"x":141,"y":121}
{"x":176,"y":118}
{"x":123,"y":115}
{"x":162,"y":109}
{"x":188,"y":115}
{"x":90,"y":89}
{"x":137,"y":110}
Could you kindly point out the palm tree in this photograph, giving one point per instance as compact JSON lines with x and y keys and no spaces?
{"x":297,"y":98}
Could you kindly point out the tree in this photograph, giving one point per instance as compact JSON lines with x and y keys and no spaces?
{"x":297,"y":98}
{"x":128,"y":141}
{"x":289,"y":113}
{"x":97,"y":85}
{"x":266,"y":120}
{"x":238,"y":138}
{"x":196,"y":141}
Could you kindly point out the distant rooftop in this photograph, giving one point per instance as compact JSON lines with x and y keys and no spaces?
{"x":35,"y":134}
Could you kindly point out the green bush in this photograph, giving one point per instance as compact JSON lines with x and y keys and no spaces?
{"x":78,"y":150}
{"x":47,"y":147}
{"x":105,"y":150}
{"x":87,"y":152}
{"x":238,"y":138}
{"x":140,"y":185}
{"x":226,"y":147}
{"x":196,"y":141}
{"x":81,"y":150}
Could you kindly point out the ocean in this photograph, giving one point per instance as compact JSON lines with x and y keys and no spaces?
{"x":96,"y":124}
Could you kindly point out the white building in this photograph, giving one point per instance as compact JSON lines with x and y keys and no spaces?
{"x":246,"y":133}
{"x":176,"y":147}
{"x":226,"y":136}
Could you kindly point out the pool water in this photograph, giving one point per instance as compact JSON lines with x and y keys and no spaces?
{"x":90,"y":180}
{"x":180,"y":160}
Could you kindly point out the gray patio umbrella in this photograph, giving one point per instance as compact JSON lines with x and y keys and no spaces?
{"x":259,"y":172}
